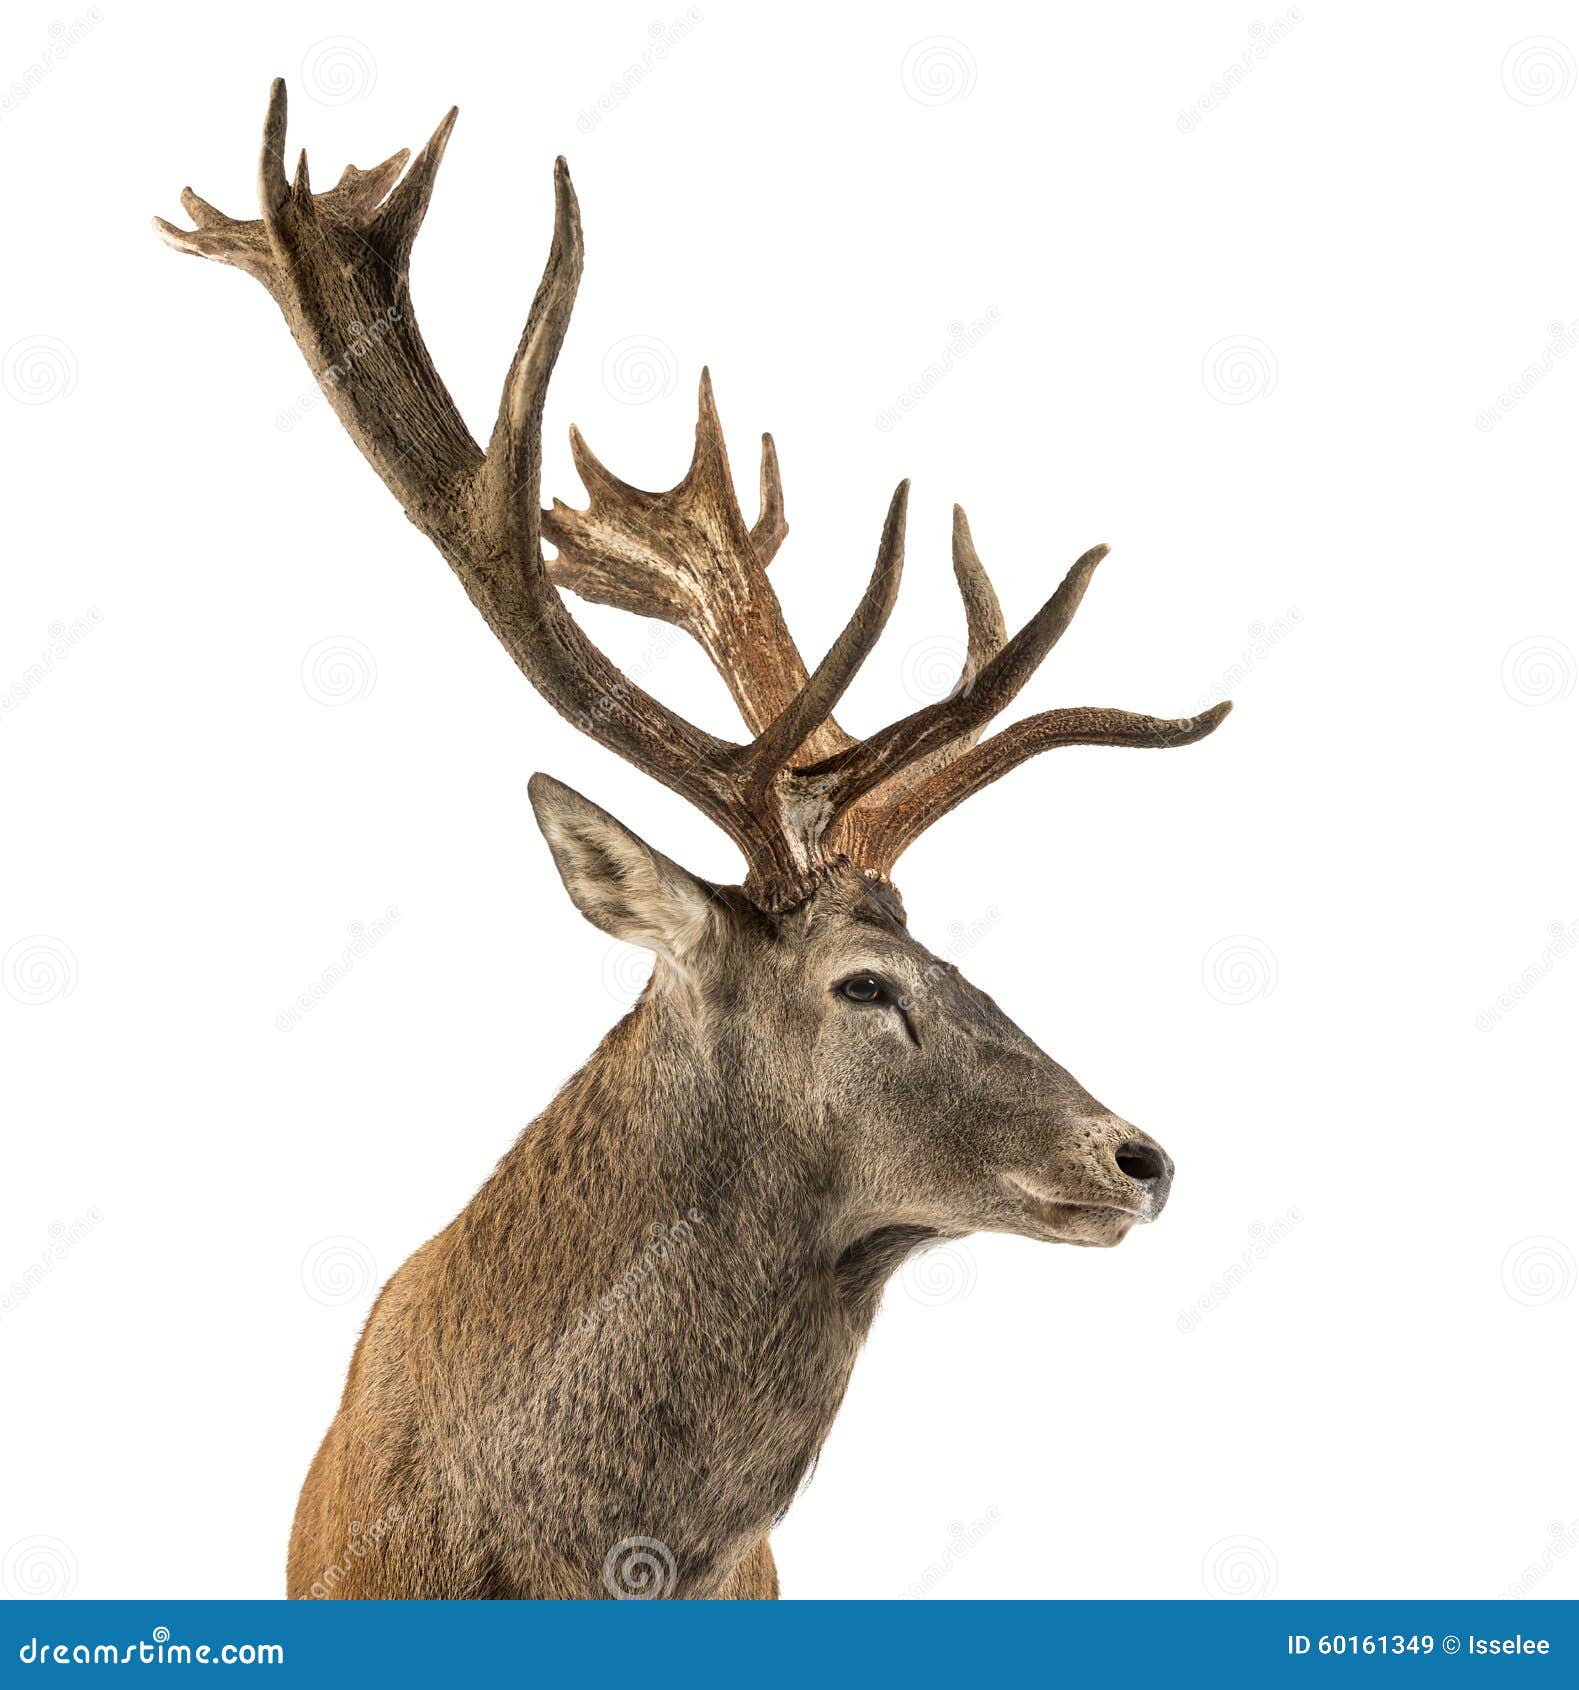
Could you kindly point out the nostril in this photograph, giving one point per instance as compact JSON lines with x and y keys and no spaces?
{"x":1139,"y":1161}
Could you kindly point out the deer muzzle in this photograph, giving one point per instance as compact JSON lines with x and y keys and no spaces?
{"x":1119,"y":1178}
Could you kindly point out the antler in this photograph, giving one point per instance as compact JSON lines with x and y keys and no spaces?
{"x":802,"y":793}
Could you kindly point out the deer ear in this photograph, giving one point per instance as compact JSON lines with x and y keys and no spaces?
{"x":617,"y":881}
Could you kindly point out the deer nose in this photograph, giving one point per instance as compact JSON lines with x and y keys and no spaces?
{"x":1141,"y":1161}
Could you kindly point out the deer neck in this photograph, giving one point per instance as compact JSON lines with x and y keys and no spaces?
{"x":664,"y":1228}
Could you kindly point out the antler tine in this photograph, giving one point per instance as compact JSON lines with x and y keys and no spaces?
{"x":687,"y":557}
{"x":273,"y":188}
{"x":776,"y":745}
{"x":985,"y":635}
{"x":768,"y":531}
{"x":856,"y":771}
{"x":337,"y":264}
{"x":401,"y":215}
{"x":887,"y":833}
{"x":564,"y":665}
{"x":985,"y":632}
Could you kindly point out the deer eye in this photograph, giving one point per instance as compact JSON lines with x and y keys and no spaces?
{"x":863,"y":988}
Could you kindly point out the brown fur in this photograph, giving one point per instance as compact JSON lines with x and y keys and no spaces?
{"x":643,"y":1324}
{"x":609,"y":1374}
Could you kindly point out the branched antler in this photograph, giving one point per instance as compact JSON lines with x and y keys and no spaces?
{"x":802,"y":793}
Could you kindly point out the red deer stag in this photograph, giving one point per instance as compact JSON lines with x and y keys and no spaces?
{"x":539,"y":1407}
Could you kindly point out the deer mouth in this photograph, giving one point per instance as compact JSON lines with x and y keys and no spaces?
{"x":1094,"y":1224}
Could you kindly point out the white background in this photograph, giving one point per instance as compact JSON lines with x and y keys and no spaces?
{"x":1270,"y":342}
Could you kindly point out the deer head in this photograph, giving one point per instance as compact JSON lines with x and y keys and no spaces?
{"x":802,"y":988}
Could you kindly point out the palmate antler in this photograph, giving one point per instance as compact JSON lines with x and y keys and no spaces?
{"x":800,"y":795}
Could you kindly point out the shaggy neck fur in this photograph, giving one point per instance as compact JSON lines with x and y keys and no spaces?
{"x":641,"y":1327}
